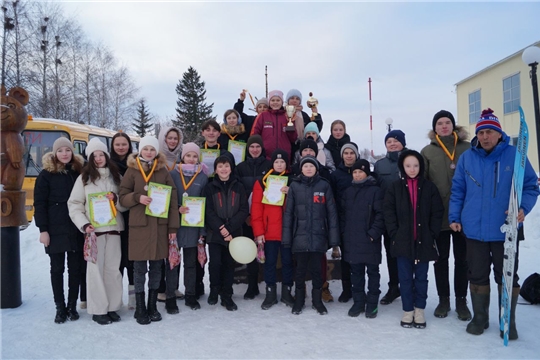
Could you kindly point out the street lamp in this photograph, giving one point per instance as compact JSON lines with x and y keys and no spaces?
{"x":531,"y":57}
{"x":388,"y":123}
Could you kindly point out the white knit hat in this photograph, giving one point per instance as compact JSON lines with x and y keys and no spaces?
{"x":96,"y":144}
{"x":149,"y":140}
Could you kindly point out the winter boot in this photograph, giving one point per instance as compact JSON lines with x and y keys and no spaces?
{"x":392,"y":294}
{"x":253,"y":288}
{"x":316,"y":301}
{"x":72,"y":313}
{"x":213,"y":296}
{"x":419,"y":318}
{"x":61,"y":313}
{"x":480,"y":304}
{"x":161,"y":297}
{"x":270,"y":299}
{"x":299,"y":301}
{"x":199,"y":290}
{"x":407,"y":319}
{"x":286,"y":296}
{"x":131,"y":297}
{"x":346,"y":294}
{"x":512,"y":332}
{"x":82,"y":305}
{"x":102,"y":319}
{"x":463,"y":312}
{"x":326,"y":293}
{"x":141,"y":314}
{"x":371,"y":307}
{"x":153,"y":312}
{"x":171,"y":307}
{"x":441,"y":311}
{"x":114,"y":316}
{"x":228,"y":303}
{"x":359,"y":305}
{"x":179,"y":295}
{"x":192,"y":303}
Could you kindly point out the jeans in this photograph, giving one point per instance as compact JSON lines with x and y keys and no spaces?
{"x":413,"y":283}
{"x":271,"y":250}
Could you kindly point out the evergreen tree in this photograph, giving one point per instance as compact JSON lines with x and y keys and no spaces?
{"x":142,"y":124}
{"x":192,"y":110}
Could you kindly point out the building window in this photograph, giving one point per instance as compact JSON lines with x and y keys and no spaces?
{"x":511,"y":93}
{"x":474,"y":107}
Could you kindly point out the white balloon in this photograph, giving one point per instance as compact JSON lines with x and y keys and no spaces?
{"x":243,"y":250}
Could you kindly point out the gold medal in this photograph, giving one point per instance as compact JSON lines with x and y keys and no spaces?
{"x":146,"y":178}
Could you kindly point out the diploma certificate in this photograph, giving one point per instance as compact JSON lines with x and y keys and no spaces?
{"x":238,"y":150}
{"x":101,"y":213}
{"x":272,"y":193}
{"x":195,"y":217}
{"x":161,"y":198}
{"x":208,"y":156}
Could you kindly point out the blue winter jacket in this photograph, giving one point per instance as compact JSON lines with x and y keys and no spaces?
{"x":481,"y":190}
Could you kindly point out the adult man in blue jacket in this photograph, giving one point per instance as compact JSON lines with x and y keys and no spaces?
{"x":478,"y":204}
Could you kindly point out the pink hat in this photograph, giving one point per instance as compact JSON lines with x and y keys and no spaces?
{"x":273,"y":93}
{"x":191,"y":147}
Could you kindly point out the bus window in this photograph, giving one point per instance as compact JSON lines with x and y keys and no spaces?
{"x":79,"y":146}
{"x":135,"y":145}
{"x":103,"y":139}
{"x":36,"y":144}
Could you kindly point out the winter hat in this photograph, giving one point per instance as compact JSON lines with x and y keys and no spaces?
{"x":312,"y":126}
{"x":488,"y":121}
{"x":308,"y":143}
{"x":363,"y":165}
{"x":149,"y":140}
{"x":226,"y":157}
{"x":261,"y":101}
{"x":255,"y":139}
{"x":96,"y":145}
{"x":352,"y":146}
{"x":441,"y":114}
{"x":396,"y":134}
{"x":273,"y":93}
{"x":294,"y":92}
{"x":309,"y":159}
{"x":280,"y":154}
{"x":191,"y":147}
{"x":61,"y":142}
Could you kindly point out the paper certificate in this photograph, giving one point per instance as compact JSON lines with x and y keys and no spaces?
{"x":101,"y":213}
{"x":161,"y":198}
{"x":195,"y":217}
{"x":272,"y":193}
{"x":238,"y":149}
{"x":208,"y":156}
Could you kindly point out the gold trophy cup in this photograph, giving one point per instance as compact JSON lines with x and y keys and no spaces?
{"x":291,"y":110}
{"x":312,"y":102}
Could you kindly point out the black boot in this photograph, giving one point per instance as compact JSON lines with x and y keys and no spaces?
{"x":286,"y":296}
{"x":253,"y":288}
{"x":346,"y":294}
{"x":299,"y":301}
{"x":72,"y":313}
{"x":228,"y":303}
{"x":270,"y":299}
{"x":480,"y":304}
{"x":359,"y":305}
{"x":463,"y":312}
{"x":102,"y":319}
{"x":213,"y":296}
{"x":61,"y":313}
{"x":441,"y":311}
{"x":153,"y":312}
{"x":512,"y":331}
{"x":316,"y":301}
{"x":392,"y":294}
{"x":171,"y":307}
{"x":371,"y":306}
{"x":192,"y":303}
{"x":141,"y":314}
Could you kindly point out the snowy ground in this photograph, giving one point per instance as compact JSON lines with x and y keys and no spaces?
{"x":28,"y":332}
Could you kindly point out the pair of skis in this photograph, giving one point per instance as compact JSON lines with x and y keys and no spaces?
{"x":511,"y":225}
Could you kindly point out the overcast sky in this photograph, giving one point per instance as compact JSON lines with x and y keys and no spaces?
{"x":413,"y":52}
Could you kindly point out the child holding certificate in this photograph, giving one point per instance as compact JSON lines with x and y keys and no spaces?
{"x":226,"y":210}
{"x":232,"y":129}
{"x":153,"y":221}
{"x":190,"y":181}
{"x":310,"y":226}
{"x":94,"y":209}
{"x":266,"y":219}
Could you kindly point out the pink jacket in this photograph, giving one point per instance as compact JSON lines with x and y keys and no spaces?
{"x":271,"y":126}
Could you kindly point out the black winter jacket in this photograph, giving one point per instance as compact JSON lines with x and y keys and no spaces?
{"x":387,"y":169}
{"x":251,"y":169}
{"x":310,"y":222}
{"x":334,"y":146}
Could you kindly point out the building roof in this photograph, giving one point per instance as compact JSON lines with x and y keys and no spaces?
{"x":496,"y":64}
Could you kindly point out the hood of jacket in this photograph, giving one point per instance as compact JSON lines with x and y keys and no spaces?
{"x":50,"y":166}
{"x":172,"y":155}
{"x":132,"y":162}
{"x":417,"y":155}
{"x":461,"y":132}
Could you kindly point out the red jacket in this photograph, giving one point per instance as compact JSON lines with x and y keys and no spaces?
{"x":270,"y":125}
{"x":265,"y":219}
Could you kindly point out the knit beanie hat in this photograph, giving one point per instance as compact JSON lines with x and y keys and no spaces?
{"x":441,"y":114}
{"x":309,"y":159}
{"x":488,"y":121}
{"x":363,"y":165}
{"x":351,"y":146}
{"x":61,"y":142}
{"x":96,"y":145}
{"x":191,"y":147}
{"x":294,"y":92}
{"x":312,"y":126}
{"x":273,"y":93}
{"x":255,"y":139}
{"x":308,"y":143}
{"x":226,"y":157}
{"x":396,"y":134}
{"x":261,"y":101}
{"x":149,"y":140}
{"x":280,"y":154}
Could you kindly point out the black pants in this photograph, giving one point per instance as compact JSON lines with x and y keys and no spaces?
{"x":221,"y":268}
{"x":358,"y":278}
{"x":308,"y":261}
{"x":58,"y":260}
{"x":164,"y":272}
{"x":190,"y":263}
{"x":459,"y":246}
{"x":480,"y":256}
{"x":391,"y":262}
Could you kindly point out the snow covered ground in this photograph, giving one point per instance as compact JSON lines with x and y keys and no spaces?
{"x":29,"y":332}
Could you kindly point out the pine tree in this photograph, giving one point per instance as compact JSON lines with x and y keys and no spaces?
{"x":192,"y":110}
{"x":142,"y":123}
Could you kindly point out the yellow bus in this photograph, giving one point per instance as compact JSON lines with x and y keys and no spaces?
{"x":39,"y":136}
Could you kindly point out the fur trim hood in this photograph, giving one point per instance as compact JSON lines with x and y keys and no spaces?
{"x":233,"y":129}
{"x":132,"y":162}
{"x":50,"y":166}
{"x":463,"y":134}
